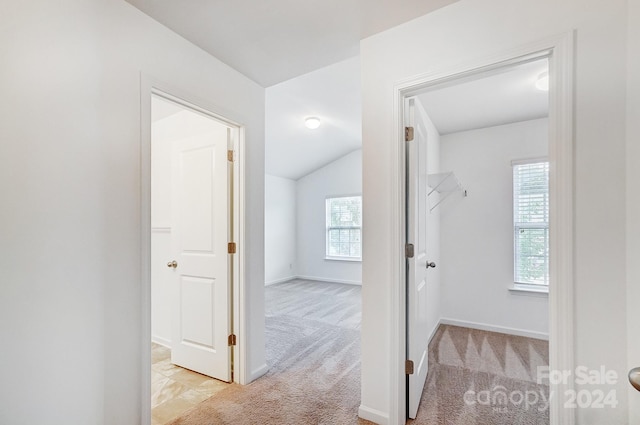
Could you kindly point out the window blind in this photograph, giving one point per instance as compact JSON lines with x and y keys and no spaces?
{"x":531,"y":222}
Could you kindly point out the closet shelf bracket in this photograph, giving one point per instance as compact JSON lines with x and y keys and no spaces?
{"x":445,"y":184}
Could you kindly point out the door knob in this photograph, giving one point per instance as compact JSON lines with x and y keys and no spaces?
{"x":431,"y":264}
{"x":173,"y":264}
{"x":634,"y":377}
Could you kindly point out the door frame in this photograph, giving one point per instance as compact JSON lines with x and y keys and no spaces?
{"x":560,"y":51}
{"x":150,"y":86}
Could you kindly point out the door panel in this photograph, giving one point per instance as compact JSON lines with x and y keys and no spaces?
{"x":417,"y":273}
{"x":200,"y":216}
{"x":198,"y":196}
{"x":197,"y":324}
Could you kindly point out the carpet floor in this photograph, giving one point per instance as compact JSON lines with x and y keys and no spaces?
{"x":313,"y":353}
{"x":484,"y":378}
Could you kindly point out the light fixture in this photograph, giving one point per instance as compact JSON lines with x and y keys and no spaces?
{"x":312,"y":122}
{"x":542,"y":83}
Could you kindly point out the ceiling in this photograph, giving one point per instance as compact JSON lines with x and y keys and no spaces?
{"x":305,"y":54}
{"x":332,"y":94}
{"x":271,"y":41}
{"x":162,"y":108}
{"x":500,"y":98}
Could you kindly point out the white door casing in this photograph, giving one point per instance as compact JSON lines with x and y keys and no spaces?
{"x":417,"y":273}
{"x":560,"y":50}
{"x":201,"y":231}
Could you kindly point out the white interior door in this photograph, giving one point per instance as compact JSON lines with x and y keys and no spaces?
{"x":200,"y":216}
{"x":417,"y":272}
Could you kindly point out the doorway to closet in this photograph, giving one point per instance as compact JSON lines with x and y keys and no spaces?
{"x":478,"y":238}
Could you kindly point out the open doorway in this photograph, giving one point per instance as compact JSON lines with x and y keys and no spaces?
{"x":192,"y":230}
{"x":478,"y":277}
{"x":313,"y":243}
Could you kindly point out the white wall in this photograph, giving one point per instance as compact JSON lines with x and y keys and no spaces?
{"x":280,"y":242}
{"x":70,"y":218}
{"x":339,"y":178}
{"x":633,"y":201}
{"x":477,"y":242}
{"x":453,"y":35}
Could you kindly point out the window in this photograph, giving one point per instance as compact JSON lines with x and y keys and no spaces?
{"x":531,"y":223}
{"x":344,"y":228}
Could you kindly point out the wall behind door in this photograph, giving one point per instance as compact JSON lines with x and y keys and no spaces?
{"x":633,"y":201}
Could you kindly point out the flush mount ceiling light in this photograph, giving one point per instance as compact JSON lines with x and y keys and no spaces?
{"x":312,"y":122}
{"x":542,"y":83}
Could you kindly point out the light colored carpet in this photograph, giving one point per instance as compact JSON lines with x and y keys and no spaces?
{"x":497,"y":372}
{"x":313,"y":350}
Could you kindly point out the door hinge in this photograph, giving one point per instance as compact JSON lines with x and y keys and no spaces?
{"x":232,"y":340}
{"x":230,"y":155}
{"x":408,"y":250}
{"x":408,"y":367}
{"x":408,"y":134}
{"x":231,"y":247}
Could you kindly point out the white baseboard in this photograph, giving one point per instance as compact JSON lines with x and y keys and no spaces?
{"x":281,"y":280}
{"x":326,"y":279}
{"x":493,"y":328}
{"x":373,"y":415}
{"x":434,"y":330}
{"x":255,"y":374}
{"x":161,"y":341}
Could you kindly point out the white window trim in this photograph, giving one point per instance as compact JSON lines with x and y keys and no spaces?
{"x":529,"y":289}
{"x":347,"y":259}
{"x":529,"y":160}
{"x":519,"y":287}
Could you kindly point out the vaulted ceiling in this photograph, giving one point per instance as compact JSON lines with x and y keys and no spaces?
{"x":332,"y":94}
{"x":271,"y":41}
{"x":305,"y":53}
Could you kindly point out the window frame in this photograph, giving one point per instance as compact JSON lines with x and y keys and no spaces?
{"x":530,"y":287}
{"x":329,"y":227}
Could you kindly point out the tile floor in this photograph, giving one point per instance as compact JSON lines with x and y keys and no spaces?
{"x":175,"y":390}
